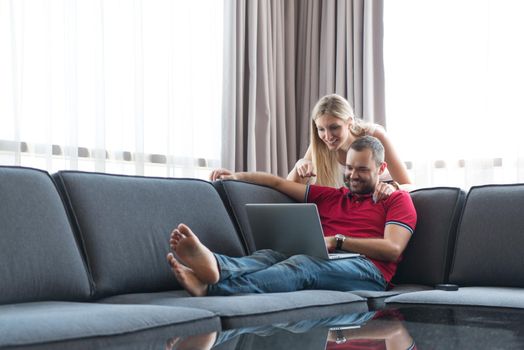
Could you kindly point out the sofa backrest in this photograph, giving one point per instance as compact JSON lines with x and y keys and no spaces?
{"x":427,"y":258}
{"x":236,"y":194}
{"x":124,"y":223}
{"x":490,"y":238}
{"x":39,"y":257}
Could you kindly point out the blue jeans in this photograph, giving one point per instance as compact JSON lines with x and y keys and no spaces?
{"x":268,"y":271}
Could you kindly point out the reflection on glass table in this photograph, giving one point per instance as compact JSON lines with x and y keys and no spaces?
{"x":370,"y":330}
{"x":385,"y":331}
{"x":408,"y":327}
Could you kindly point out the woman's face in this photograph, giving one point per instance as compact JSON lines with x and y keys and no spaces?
{"x":333,"y":131}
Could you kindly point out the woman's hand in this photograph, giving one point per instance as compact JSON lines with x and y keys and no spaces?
{"x":383,"y":191}
{"x":220,"y":174}
{"x":304,"y":168}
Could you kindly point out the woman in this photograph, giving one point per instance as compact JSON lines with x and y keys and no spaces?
{"x":333,"y":129}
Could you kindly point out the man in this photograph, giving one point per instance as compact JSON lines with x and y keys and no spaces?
{"x":351,"y":221}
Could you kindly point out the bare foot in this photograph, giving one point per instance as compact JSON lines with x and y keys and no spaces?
{"x":194,"y":254}
{"x":187,"y":277}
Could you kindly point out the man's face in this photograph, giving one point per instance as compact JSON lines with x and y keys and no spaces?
{"x":362,"y":173}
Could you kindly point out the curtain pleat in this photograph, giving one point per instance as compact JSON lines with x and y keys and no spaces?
{"x":296,"y":52}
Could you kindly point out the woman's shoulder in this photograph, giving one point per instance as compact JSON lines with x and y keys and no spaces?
{"x":376,"y":130}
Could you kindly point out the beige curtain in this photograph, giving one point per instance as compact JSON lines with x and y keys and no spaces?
{"x":279,"y":58}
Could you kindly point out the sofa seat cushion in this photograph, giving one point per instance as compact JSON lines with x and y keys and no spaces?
{"x":42,"y":322}
{"x":474,"y":296}
{"x":400,"y":289}
{"x":376,"y":299}
{"x":257,"y":309}
{"x":39,"y":257}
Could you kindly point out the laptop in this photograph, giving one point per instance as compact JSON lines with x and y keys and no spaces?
{"x":290,"y":229}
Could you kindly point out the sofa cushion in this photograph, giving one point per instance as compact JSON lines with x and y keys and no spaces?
{"x":475,"y":296}
{"x":257,"y":309}
{"x":124,"y":223}
{"x":427,"y":258}
{"x":236,"y":194}
{"x":164,"y":337}
{"x":39,"y":258}
{"x":43,"y":322}
{"x":488,"y":250}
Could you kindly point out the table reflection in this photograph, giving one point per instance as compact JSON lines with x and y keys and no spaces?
{"x":370,"y":330}
{"x":196,"y":342}
{"x":384,"y":331}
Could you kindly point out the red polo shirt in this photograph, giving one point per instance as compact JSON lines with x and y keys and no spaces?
{"x":358,"y":216}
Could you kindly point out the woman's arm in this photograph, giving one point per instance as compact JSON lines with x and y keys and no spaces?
{"x":396,"y":167}
{"x":303,"y":169}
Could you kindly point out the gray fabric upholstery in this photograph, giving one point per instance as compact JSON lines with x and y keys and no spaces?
{"x":488,"y":250}
{"x":237,"y":194}
{"x":427,"y":258}
{"x":36,"y":241}
{"x":41,"y":322}
{"x":376,"y":299}
{"x":257,"y":309}
{"x":403,"y":288}
{"x":124,"y":223}
{"x":152,"y":338}
{"x":478,"y":296}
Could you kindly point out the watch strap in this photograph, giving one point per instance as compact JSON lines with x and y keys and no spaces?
{"x":340,"y":240}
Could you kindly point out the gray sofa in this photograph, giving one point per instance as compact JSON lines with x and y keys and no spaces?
{"x":82,"y":257}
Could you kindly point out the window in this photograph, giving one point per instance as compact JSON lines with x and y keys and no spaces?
{"x":119,"y":86}
{"x":454,"y":82}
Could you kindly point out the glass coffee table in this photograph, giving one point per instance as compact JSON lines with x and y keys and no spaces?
{"x":406,"y":327}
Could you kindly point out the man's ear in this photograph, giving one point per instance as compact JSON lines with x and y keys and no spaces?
{"x":382,"y":168}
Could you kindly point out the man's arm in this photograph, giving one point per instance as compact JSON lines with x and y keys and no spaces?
{"x":297,"y":191}
{"x":388,"y":248}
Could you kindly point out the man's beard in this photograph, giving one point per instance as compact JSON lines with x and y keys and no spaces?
{"x":364,"y":188}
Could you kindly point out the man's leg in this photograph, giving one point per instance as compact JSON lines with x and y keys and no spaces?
{"x":348,"y":274}
{"x":301,"y":272}
{"x":200,"y":266}
{"x":235,"y":267}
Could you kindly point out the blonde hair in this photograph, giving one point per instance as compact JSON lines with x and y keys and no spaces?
{"x":325,"y":161}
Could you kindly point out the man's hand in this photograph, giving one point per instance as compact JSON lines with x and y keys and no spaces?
{"x":221,"y":174}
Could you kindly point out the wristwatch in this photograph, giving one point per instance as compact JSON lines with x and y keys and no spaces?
{"x":340,"y":240}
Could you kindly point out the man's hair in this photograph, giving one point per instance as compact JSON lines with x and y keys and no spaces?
{"x":372,"y":143}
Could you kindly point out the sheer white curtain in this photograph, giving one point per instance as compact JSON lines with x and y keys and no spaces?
{"x":454,"y":88}
{"x":118,"y":86}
